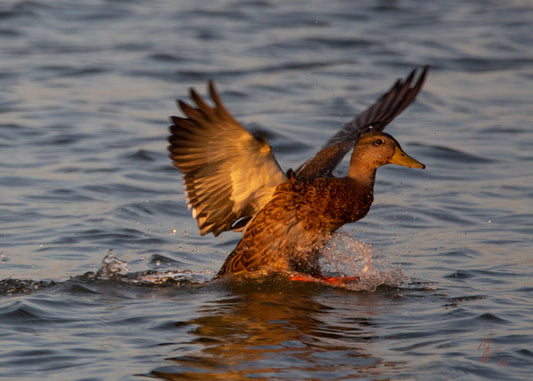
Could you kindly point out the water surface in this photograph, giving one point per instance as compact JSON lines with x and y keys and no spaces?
{"x":445,"y":253}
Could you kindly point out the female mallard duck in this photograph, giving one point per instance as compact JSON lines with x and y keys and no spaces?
{"x":232,"y":180}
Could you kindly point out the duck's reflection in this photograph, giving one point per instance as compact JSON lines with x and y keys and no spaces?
{"x":279,"y":330}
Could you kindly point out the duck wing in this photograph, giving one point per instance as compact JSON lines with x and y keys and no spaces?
{"x":376,"y":118}
{"x":229,"y":174}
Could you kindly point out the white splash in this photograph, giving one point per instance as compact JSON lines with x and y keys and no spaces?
{"x":345,"y":256}
{"x":111,"y":265}
{"x":114,"y":268}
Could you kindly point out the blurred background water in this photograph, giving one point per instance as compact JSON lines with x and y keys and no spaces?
{"x":446,"y":253}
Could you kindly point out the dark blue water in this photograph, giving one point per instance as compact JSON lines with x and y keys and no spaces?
{"x":445,"y":254}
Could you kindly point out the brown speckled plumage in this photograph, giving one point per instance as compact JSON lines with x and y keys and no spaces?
{"x":287,"y":234}
{"x":231,"y":177}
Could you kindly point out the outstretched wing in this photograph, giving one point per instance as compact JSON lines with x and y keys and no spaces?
{"x":376,"y":118}
{"x":229,"y":174}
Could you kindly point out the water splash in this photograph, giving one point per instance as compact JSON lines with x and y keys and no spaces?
{"x":23,"y":286}
{"x":345,"y":256}
{"x":114,"y":268}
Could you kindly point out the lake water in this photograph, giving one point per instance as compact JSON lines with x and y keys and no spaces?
{"x":445,"y":254}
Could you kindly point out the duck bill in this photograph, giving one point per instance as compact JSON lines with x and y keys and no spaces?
{"x":401,"y":158}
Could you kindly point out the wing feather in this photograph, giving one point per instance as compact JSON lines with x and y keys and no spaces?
{"x":375,"y":117}
{"x":228,"y":173}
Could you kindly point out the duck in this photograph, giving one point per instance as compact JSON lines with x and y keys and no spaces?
{"x":233,"y":181}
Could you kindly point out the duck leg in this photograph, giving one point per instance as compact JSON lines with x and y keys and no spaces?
{"x":337,"y":281}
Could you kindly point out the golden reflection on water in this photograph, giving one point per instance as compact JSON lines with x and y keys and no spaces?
{"x":283,"y":330}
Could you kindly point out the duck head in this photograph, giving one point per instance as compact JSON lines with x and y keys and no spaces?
{"x":375,"y":149}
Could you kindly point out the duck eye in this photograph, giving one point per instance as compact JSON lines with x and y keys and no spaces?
{"x":378,"y":142}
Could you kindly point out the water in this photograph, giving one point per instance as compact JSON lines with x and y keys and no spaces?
{"x":445,"y":253}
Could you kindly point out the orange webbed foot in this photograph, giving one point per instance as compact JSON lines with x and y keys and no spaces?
{"x":337,"y":281}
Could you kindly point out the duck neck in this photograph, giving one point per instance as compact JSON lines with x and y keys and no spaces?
{"x":364,"y":175}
